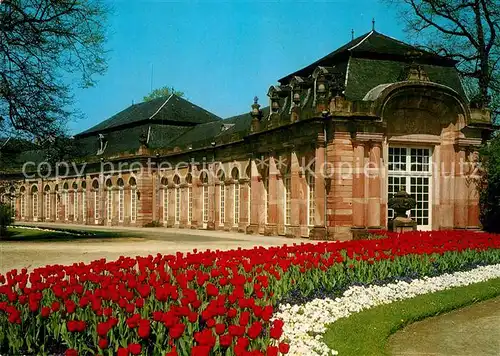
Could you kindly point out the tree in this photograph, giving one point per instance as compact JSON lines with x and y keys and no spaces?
{"x":5,"y":219}
{"x":465,"y":30}
{"x":162,"y":92}
{"x":45,"y":47}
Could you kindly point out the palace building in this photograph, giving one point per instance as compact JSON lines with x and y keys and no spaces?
{"x":320,"y":160}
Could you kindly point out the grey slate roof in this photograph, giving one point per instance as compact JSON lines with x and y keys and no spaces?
{"x":370,"y":45}
{"x":172,"y":109}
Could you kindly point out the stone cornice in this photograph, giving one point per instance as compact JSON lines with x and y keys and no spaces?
{"x":464,"y":142}
{"x":369,"y":137}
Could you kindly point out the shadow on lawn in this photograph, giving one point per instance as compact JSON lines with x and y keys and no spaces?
{"x":21,"y":234}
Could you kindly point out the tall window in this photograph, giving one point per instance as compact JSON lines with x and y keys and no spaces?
{"x":204,"y":181}
{"x":13,"y":201}
{"x":34,"y":192}
{"x":121,"y":200}
{"x":133,"y":200}
{"x":109,"y":200}
{"x":235,"y":174}
{"x":189,"y":181}
{"x":66,"y":201}
{"x":164,"y":183}
{"x":97,"y":198}
{"x":287,"y":184}
{"x":46,"y":198}
{"x":57,"y":202}
{"x":22,"y":192}
{"x":177,"y":182}
{"x":410,"y":170}
{"x":222,"y":198}
{"x":75,"y":202}
{"x":84,"y":201}
{"x":310,"y":198}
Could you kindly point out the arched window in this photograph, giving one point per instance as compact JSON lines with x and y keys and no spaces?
{"x":164,"y":183}
{"x":204,"y":181}
{"x":311,"y":184}
{"x":222,"y":197}
{"x":34,"y":193}
{"x":235,"y":174}
{"x":133,"y":199}
{"x":177,"y":182}
{"x":46,"y":198}
{"x":22,"y":192}
{"x":189,"y":181}
{"x":57,"y":201}
{"x":121,"y":199}
{"x":84,"y":201}
{"x":75,"y":201}
{"x":13,"y":201}
{"x":66,"y":201}
{"x":109,"y":200}
{"x":97,"y":198}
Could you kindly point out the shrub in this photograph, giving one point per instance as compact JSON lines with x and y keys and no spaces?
{"x":489,"y":198}
{"x":5,"y":218}
{"x":154,"y":223}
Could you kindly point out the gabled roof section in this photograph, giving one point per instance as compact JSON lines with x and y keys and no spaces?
{"x":171,"y":110}
{"x":372,"y":45}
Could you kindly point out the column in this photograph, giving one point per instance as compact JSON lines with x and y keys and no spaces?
{"x":373,"y":212}
{"x":358,"y":187}
{"x":319,"y":230}
{"x":461,"y":190}
{"x":473,"y":180}
{"x":256,"y":201}
{"x":244,"y":204}
{"x":272,"y":218}
{"x":295,"y":198}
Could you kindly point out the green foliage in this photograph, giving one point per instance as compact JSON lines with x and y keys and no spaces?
{"x":366,"y":333}
{"x":154,"y":223}
{"x":162,"y":92}
{"x":489,"y":198}
{"x":5,"y":218}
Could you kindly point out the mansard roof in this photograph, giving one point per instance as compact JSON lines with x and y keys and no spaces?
{"x":372,"y":45}
{"x":172,"y":110}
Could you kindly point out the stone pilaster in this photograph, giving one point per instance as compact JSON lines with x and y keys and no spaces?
{"x":319,"y":230}
{"x":257,"y":202}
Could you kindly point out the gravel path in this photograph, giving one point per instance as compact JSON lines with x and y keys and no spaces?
{"x":16,"y":254}
{"x":470,"y":331}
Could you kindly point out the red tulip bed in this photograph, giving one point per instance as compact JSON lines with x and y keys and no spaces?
{"x":212,"y":302}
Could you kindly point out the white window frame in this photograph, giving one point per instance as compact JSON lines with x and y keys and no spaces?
{"x":190,"y":203}
{"x":66,"y":205}
{"x":75,"y":205}
{"x":236,"y":203}
{"x":311,"y":196}
{"x":206,"y":202}
{"x":165,"y":205}
{"x":133,"y":204}
{"x":35,"y":206}
{"x":222,"y":203}
{"x":177,"y":205}
{"x":84,"y":205}
{"x":47,"y":205}
{"x":408,"y":174}
{"x":287,"y":199}
{"x":121,"y":204}
{"x":96,"y":204}
{"x":109,"y":206}
{"x":23,"y":205}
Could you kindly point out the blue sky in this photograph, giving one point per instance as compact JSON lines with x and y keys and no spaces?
{"x":220,"y":53}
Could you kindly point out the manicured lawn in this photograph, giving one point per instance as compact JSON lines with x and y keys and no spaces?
{"x":366,"y":333}
{"x":23,"y":234}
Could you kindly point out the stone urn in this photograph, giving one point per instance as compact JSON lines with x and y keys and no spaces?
{"x":401,"y":202}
